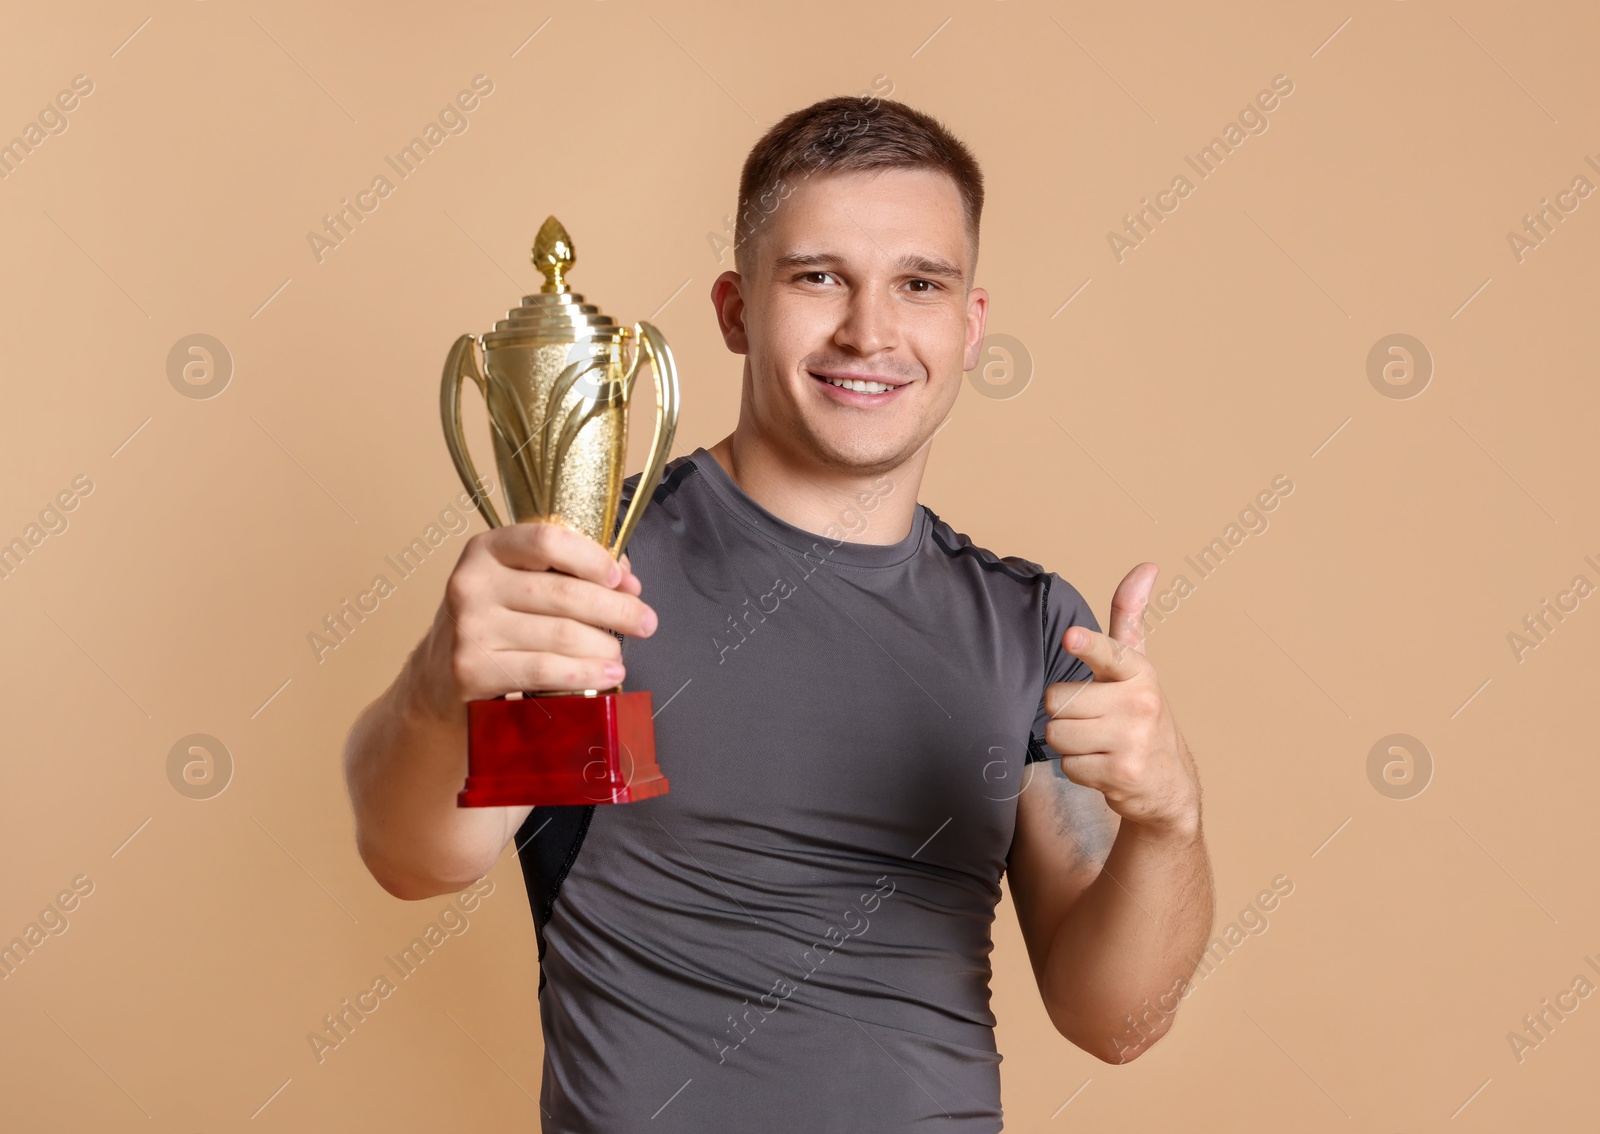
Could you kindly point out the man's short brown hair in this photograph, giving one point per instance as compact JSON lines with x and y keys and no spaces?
{"x":850,"y":134}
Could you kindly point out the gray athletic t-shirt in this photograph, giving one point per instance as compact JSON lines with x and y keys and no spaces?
{"x":797,"y":936}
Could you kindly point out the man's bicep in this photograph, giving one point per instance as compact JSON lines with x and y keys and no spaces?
{"x":1064,"y":832}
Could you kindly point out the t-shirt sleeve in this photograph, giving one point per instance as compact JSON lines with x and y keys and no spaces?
{"x":1064,"y":607}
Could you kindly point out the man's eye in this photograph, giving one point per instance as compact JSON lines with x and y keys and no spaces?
{"x":815,"y":277}
{"x":923,"y":286}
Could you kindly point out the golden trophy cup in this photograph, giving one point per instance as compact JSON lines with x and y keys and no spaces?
{"x":556,"y":379}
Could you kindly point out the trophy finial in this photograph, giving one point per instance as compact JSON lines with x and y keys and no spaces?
{"x":553,"y":255}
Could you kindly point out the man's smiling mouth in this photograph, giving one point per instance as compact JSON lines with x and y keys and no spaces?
{"x":858,"y":385}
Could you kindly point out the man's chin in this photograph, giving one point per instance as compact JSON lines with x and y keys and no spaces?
{"x":863,"y":454}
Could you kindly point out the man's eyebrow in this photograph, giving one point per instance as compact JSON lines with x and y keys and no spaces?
{"x":932,"y":266}
{"x":911,"y":262}
{"x":805,"y":260}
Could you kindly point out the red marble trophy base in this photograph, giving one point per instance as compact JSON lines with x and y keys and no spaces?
{"x":569,"y":749}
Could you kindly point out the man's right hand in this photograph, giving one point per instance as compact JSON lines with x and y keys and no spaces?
{"x":529,"y":607}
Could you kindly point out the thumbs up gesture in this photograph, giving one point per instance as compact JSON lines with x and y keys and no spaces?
{"x":1116,"y":733}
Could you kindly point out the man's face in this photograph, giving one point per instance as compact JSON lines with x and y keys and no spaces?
{"x":855,"y":277}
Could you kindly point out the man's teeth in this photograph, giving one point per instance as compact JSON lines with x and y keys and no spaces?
{"x":859,"y":386}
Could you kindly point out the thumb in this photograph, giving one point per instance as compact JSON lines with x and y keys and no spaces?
{"x":1128,"y":605}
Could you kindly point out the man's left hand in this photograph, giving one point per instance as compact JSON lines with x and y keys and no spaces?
{"x":1116,"y":733}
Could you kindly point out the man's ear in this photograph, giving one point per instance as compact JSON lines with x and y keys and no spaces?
{"x":727,"y":296}
{"x":977,"y":320}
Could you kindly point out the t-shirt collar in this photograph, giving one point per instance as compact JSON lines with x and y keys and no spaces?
{"x":832,"y":546}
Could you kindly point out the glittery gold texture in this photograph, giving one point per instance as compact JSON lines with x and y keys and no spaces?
{"x":557,"y":378}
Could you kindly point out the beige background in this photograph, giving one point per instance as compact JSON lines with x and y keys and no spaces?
{"x":1173,"y":387}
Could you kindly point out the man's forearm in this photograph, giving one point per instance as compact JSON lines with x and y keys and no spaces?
{"x":405,"y":760}
{"x":1127,"y":946}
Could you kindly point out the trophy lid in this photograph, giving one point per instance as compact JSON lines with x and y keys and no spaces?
{"x":554,"y":314}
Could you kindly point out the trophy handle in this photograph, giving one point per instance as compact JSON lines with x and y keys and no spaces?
{"x":666,"y":376}
{"x":462,"y":363}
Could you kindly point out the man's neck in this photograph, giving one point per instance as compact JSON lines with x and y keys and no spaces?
{"x":861,"y":507}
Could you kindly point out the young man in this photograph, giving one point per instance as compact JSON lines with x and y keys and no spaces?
{"x":866,"y":719}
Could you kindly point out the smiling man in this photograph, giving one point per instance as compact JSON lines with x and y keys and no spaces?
{"x":867,"y":719}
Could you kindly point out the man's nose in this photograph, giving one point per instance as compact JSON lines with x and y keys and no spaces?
{"x":871,"y":323}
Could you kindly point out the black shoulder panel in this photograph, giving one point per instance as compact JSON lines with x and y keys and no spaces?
{"x":954,"y":544}
{"x":677,"y":471}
